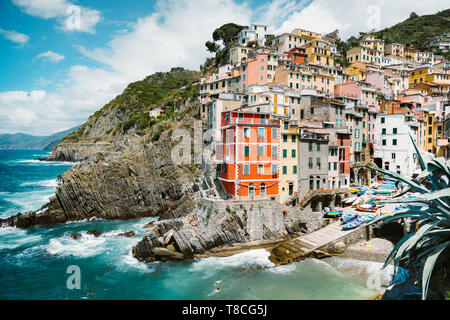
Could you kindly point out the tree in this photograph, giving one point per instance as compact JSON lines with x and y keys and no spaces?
{"x":227,"y":33}
{"x":212,"y":46}
{"x":413,"y":15}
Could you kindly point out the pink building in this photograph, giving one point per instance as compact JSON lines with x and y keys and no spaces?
{"x":378,"y":81}
{"x":363,"y":91}
{"x":259,"y":69}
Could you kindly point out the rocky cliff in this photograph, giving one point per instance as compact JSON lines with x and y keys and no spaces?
{"x":125,"y":169}
{"x":198,"y":229}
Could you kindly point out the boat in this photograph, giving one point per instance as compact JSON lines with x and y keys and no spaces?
{"x":349,"y":201}
{"x":366,"y":208}
{"x":383,"y":191}
{"x":358,"y":221}
{"x":351,"y":225}
{"x":348,"y":217}
{"x":332,"y":214}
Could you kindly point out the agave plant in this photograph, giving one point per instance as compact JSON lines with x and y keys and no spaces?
{"x":430,"y":211}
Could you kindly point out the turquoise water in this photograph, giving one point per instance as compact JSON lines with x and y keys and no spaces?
{"x":33,"y":263}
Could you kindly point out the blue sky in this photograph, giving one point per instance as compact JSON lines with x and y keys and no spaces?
{"x":53,"y":78}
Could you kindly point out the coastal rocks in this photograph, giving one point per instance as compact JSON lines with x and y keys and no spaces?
{"x":128,"y":234}
{"x":95,"y":233}
{"x":221,"y":224}
{"x":164,"y":254}
{"x":141,"y":182}
{"x":76,"y":236}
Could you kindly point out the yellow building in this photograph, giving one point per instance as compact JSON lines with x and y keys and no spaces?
{"x":357,"y":71}
{"x":294,"y":39}
{"x":427,"y":74}
{"x":289,"y":152}
{"x":319,"y":52}
{"x":301,"y":77}
{"x":369,"y":41}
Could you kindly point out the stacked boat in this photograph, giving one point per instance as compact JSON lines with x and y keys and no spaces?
{"x":352,"y":220}
{"x":385,"y":187}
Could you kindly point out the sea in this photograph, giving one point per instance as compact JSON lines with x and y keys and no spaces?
{"x":38,"y":263}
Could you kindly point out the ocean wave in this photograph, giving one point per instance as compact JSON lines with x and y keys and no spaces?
{"x":11,"y":238}
{"x":87,"y":246}
{"x":42,"y":183}
{"x":361,"y":269}
{"x":55,"y":163}
{"x":286,"y":269}
{"x":249,"y":260}
{"x":25,"y":201}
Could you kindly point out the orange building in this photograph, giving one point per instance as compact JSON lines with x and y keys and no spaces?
{"x":249,"y":155}
{"x":297,"y":56}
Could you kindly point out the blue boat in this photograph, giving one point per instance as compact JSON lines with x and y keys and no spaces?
{"x":348,"y":217}
{"x":358,"y":221}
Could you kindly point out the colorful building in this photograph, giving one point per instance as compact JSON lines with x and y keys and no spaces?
{"x":249,"y":155}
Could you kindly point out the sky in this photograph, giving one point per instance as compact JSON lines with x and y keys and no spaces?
{"x":61,"y":60}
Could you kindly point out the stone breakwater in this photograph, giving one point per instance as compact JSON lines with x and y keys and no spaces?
{"x":222,"y":228}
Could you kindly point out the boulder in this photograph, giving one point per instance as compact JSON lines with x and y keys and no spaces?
{"x":95,"y":233}
{"x":166,"y":253}
{"x":75,"y":236}
{"x":127,"y":234}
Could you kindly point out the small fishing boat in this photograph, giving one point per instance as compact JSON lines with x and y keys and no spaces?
{"x":385,"y":191}
{"x":349,"y":201}
{"x":347,"y":217}
{"x":366,"y":208}
{"x":332,"y":214}
{"x":358,"y":221}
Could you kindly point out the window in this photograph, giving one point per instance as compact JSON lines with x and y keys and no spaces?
{"x":394,"y":130}
{"x":284,"y":169}
{"x":393,"y":156}
{"x":246,"y":169}
{"x":286,"y":125}
{"x":260,"y":133}
{"x":383,"y":142}
{"x":293,"y":153}
{"x":294,"y":169}
{"x":260,"y":151}
{"x":293,"y":138}
{"x":284,"y":153}
{"x":383,"y":131}
{"x":382,"y":120}
{"x":394,"y":142}
{"x":285,"y":137}
{"x":246,"y":132}
{"x":274,"y":133}
{"x":260,"y":169}
{"x":318,"y":162}
{"x":274,"y":152}
{"x":310,"y":146}
{"x":246,"y":151}
{"x":310,"y":162}
{"x":318,"y":147}
{"x":274,"y":169}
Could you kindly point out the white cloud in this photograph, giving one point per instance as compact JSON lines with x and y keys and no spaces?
{"x":350,"y":17}
{"x":174,"y":35}
{"x":50,"y":56}
{"x":14,"y":36}
{"x":70,"y":17}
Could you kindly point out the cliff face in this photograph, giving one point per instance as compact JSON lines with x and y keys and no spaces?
{"x":200,"y":229}
{"x":125,"y":169}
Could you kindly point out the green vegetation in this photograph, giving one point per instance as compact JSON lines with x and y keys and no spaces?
{"x":132,"y":107}
{"x":416,"y":30}
{"x":227,"y":34}
{"x":413,"y":32}
{"x":420,"y":251}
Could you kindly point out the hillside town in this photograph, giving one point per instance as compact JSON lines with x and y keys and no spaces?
{"x":290,"y":115}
